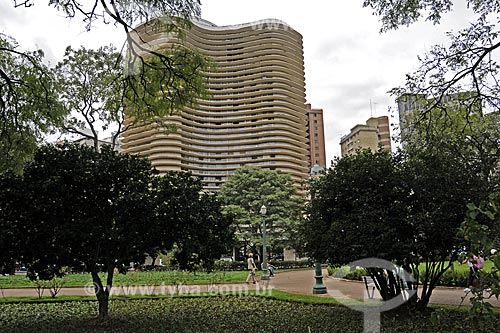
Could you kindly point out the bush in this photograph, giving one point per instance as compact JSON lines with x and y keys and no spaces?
{"x":337,"y":271}
{"x":291,"y":264}
{"x":453,"y":278}
{"x":220,"y":314}
{"x":345,"y":272}
{"x":221,"y":265}
{"x":357,"y":274}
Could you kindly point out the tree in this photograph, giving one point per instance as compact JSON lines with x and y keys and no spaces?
{"x":28,"y":105}
{"x":99,"y":94}
{"x":97,"y":211}
{"x":189,"y":221}
{"x":480,"y":229}
{"x":11,"y":236}
{"x":470,"y":136}
{"x":467,"y":64}
{"x":406,"y":209}
{"x":247,"y":190}
{"x":90,"y":88}
{"x":153,"y":83}
{"x":441,"y":185}
{"x":357,"y":211}
{"x":85,"y":210}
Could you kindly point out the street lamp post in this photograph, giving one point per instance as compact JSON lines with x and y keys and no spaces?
{"x":319,"y":287}
{"x":265,"y":276}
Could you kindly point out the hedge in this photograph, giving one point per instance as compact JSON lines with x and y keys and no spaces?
{"x":278,"y":264}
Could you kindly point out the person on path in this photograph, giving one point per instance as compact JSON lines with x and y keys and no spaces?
{"x":472,"y":262}
{"x":271,"y":270}
{"x":251,"y":268}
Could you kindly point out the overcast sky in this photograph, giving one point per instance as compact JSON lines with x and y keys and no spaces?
{"x":348,"y":63}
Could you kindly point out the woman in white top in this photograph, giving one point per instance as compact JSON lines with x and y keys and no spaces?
{"x":251,"y":268}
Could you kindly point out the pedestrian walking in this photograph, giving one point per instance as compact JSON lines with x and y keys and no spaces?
{"x":251,"y":268}
{"x":475,"y":263}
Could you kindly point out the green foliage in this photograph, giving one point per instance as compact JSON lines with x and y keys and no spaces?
{"x":457,"y":128}
{"x":98,"y":211}
{"x":220,"y":314}
{"x":278,"y":264}
{"x":456,"y":276}
{"x":347,"y":273}
{"x":11,"y":239}
{"x":131,"y":278}
{"x":356,"y":211}
{"x":192,"y":222}
{"x":29,"y":108}
{"x":394,"y":13}
{"x":357,"y":274}
{"x":84,"y":207}
{"x":464,"y":65}
{"x":217,"y":314}
{"x":127,"y":13}
{"x":90,"y":86}
{"x":453,"y":278}
{"x":100,"y":84}
{"x":480,"y":229}
{"x":405,"y":208}
{"x":157,"y":86}
{"x":442,"y":184}
{"x":97,"y":88}
{"x":250,"y":188}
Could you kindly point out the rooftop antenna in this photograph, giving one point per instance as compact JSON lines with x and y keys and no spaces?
{"x":371,"y":107}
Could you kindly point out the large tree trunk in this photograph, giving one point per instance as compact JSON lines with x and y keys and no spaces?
{"x":102,"y":292}
{"x":433,"y":273}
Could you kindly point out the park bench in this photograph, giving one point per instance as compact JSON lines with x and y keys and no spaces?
{"x":370,"y":286}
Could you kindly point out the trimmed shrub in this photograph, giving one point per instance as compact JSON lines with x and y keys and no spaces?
{"x":454,"y":278}
{"x":221,"y":265}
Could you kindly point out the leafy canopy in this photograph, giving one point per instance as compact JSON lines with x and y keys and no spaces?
{"x":247,"y":190}
{"x":87,"y":210}
{"x":406,"y":208}
{"x":29,"y":107}
{"x":189,"y":221}
{"x":150,"y":83}
{"x":99,"y":94}
{"x":466,"y":64}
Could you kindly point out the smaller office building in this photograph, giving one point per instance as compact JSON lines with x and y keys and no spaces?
{"x":374,"y":134}
{"x":316,"y":130}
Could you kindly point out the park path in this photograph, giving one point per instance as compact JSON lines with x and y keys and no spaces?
{"x":300,"y":282}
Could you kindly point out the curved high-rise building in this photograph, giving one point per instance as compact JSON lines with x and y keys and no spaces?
{"x":256,"y":112}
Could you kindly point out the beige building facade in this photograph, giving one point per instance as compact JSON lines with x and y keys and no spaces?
{"x":372,"y":135}
{"x":255,"y":114}
{"x":317,"y":154}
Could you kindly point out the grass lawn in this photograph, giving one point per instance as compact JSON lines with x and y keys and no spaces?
{"x":457,"y":266}
{"x":280,"y":312}
{"x":135,"y":278}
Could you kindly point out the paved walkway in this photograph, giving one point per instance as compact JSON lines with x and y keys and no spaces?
{"x":301,"y":282}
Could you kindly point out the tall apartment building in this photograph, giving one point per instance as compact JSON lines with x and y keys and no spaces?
{"x":411,"y":106}
{"x":256,"y":114}
{"x":317,"y":154}
{"x":375,"y":134}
